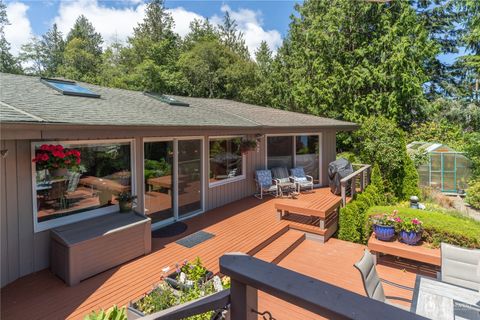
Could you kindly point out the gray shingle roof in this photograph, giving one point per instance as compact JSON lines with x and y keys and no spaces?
{"x":26,"y":99}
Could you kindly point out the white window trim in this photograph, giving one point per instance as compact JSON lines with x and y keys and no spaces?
{"x":320,"y":149}
{"x":228,"y":180}
{"x":49,"y":224}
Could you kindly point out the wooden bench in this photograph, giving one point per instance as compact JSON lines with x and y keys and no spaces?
{"x":419,"y":253}
{"x":86,"y":248}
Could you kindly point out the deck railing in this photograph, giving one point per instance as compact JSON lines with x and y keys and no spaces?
{"x":250,"y":275}
{"x":360,"y":178}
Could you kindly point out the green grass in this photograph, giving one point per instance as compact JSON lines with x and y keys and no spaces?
{"x":439,"y":226}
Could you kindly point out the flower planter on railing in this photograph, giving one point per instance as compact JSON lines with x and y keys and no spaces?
{"x":174,"y":280}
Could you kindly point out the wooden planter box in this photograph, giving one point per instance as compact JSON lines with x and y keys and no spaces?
{"x":83,"y":249}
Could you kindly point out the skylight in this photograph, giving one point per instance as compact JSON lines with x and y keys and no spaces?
{"x":69,"y":88}
{"x":166,"y":99}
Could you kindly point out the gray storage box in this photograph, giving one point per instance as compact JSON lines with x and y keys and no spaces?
{"x":86,"y":248}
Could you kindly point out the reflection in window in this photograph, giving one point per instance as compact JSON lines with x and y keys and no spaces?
{"x":280,"y":152}
{"x":75,"y":178}
{"x":307,"y":155}
{"x":225,"y":159}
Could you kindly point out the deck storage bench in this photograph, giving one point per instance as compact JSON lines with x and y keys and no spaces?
{"x":86,"y":248}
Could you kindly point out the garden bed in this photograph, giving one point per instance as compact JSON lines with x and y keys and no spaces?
{"x":438,"y":226}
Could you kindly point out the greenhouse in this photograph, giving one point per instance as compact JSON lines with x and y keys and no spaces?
{"x":446,"y":169}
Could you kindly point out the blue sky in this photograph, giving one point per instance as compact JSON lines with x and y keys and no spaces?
{"x":258,"y":20}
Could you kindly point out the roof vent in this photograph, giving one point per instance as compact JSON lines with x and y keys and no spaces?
{"x":166,"y":99}
{"x":69,"y":88}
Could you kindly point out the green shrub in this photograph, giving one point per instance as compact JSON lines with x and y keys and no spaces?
{"x":473,"y":194}
{"x":352,"y":217}
{"x":350,"y":156}
{"x":114,"y":313}
{"x":438,"y":226}
{"x":410,"y":180}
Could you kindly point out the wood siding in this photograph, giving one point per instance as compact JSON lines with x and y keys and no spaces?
{"x":24,"y":252}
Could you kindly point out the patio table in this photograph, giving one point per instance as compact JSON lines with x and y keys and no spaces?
{"x":439,"y":300}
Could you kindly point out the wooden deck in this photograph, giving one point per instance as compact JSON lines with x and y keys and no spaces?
{"x":249,"y":225}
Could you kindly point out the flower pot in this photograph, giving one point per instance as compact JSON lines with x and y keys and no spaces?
{"x":60,"y":172}
{"x":125,"y":206}
{"x":384,"y":233}
{"x":172,"y":280}
{"x":410,"y":238}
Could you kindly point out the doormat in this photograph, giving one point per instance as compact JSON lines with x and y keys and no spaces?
{"x":194,"y":239}
{"x":170,"y":231}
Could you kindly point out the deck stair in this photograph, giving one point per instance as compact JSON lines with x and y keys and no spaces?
{"x":281,"y":247}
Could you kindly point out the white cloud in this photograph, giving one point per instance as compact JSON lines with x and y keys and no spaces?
{"x":250,"y":22}
{"x":19,"y":31}
{"x":111,"y":23}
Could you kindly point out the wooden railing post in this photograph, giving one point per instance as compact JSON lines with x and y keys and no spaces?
{"x":344,"y":194}
{"x":362,"y":181}
{"x":353,"y":186}
{"x":244,"y":299}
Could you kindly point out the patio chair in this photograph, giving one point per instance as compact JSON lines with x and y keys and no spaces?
{"x":460,"y":266}
{"x":284,"y":180}
{"x":265,"y":184}
{"x":301,"y":180}
{"x":372,"y":282}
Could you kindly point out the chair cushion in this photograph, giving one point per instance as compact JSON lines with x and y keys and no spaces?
{"x":298,"y":173}
{"x":280,"y":173}
{"x":301,"y":179}
{"x":264,"y":178}
{"x":459,"y":266}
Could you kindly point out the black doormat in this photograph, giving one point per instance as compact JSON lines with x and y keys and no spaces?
{"x":170,"y":230}
{"x":194,"y":239}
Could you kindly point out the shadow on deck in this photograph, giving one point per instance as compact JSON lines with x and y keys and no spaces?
{"x":248,"y":225}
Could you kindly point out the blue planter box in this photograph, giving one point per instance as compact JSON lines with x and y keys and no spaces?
{"x":384,"y":233}
{"x":410,"y":238}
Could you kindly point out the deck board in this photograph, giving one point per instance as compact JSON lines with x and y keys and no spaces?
{"x":240,"y":226}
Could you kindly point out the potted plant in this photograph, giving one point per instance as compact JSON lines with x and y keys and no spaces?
{"x":56,"y":159}
{"x":247,"y":145}
{"x":188,"y":274}
{"x":410,"y":230}
{"x":125,"y":201}
{"x":384,"y":226}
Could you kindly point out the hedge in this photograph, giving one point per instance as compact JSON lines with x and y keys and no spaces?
{"x":438,"y":226}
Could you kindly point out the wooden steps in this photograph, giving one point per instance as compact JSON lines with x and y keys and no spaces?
{"x":281,"y":247}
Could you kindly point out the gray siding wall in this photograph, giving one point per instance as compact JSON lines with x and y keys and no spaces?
{"x":24,"y":252}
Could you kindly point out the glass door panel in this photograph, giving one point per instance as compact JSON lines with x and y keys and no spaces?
{"x":307,"y":156}
{"x":189,"y":176}
{"x":159,"y":178}
{"x":280,"y":152}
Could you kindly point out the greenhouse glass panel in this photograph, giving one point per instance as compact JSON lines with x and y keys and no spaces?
{"x":436,"y":180}
{"x":436,"y":161}
{"x":448,"y":181}
{"x":424,"y":175}
{"x":448,"y":162}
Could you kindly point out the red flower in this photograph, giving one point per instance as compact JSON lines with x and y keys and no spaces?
{"x":59,"y":147}
{"x":44,"y":157}
{"x":78,"y":161}
{"x":44,"y":147}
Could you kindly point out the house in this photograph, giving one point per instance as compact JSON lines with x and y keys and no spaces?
{"x":181,"y":156}
{"x":445,"y":169}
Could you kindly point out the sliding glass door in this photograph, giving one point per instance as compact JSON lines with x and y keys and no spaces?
{"x":189,"y":177}
{"x":307,"y":155}
{"x":295,"y":151}
{"x":173,"y":179}
{"x":159,"y":177}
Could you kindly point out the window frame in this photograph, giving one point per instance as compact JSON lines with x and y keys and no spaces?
{"x":57,"y":222}
{"x":241,"y":177}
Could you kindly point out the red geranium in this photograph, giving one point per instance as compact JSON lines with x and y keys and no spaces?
{"x":56,"y":156}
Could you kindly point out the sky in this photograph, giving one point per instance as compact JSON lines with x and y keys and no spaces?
{"x":258,"y":20}
{"x":115,"y":19}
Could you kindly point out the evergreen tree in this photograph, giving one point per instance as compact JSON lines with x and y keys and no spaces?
{"x":8,"y":63}
{"x":410,"y":180}
{"x":232,"y":37}
{"x":33,"y":56}
{"x":350,"y":59}
{"x":84,"y":30}
{"x":53,"y":47}
{"x":200,"y":30}
{"x":264,"y":90}
{"x":157,"y":23}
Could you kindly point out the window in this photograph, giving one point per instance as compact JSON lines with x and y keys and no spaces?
{"x":69,"y":88}
{"x":280,"y":152}
{"x":306,"y":155}
{"x":226,"y":160}
{"x":77,"y":180}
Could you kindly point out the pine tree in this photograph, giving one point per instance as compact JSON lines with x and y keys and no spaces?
{"x":200,"y":30}
{"x":232,"y":37}
{"x":53,"y":47}
{"x":410,"y":180}
{"x":157,"y":23}
{"x":84,"y":30}
{"x":8,"y":63}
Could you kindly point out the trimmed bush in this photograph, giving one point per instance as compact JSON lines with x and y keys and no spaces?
{"x":438,"y":226}
{"x":473,"y":194}
{"x":410,"y":180}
